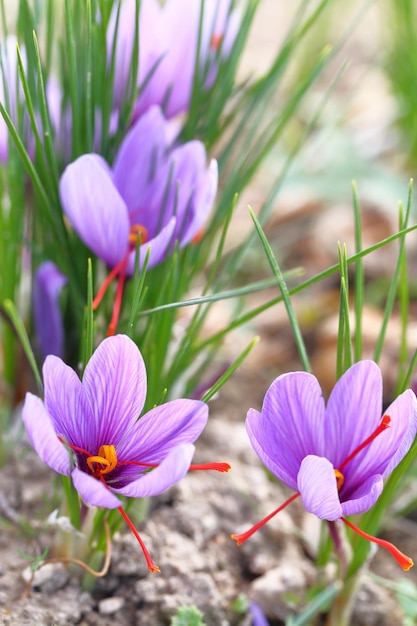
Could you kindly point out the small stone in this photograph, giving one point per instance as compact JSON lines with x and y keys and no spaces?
{"x":108,"y":606}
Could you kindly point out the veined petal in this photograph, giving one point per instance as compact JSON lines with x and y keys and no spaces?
{"x":317,"y":485}
{"x":403,"y":413}
{"x":68,"y":404}
{"x":353,"y":411}
{"x":170,"y":471}
{"x":384,"y":453}
{"x":364,"y":497}
{"x":195,"y":187}
{"x":204,"y":197}
{"x":115,"y":382}
{"x":158,"y":248}
{"x":93,"y":491}
{"x":289,"y":426}
{"x":95,"y":208}
{"x":162,"y":429}
{"x":260,"y":431}
{"x":42,"y":435}
{"x":139,"y":161}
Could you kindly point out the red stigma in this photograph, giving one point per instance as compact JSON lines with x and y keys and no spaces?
{"x":137,"y":232}
{"x":248,"y":533}
{"x":401,"y":558}
{"x":384,"y":424}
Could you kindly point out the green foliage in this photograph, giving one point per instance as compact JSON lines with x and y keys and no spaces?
{"x":188,"y":616}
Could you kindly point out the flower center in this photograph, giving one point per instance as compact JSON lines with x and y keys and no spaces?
{"x":138,"y":231}
{"x":104,"y":462}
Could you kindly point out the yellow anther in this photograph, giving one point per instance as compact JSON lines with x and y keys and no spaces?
{"x":106,"y":457}
{"x":340,"y":479}
{"x":136,"y":231}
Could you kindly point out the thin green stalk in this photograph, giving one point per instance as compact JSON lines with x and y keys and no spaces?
{"x":230,"y":370}
{"x":359,"y":280}
{"x":16,"y":320}
{"x":285,"y":293}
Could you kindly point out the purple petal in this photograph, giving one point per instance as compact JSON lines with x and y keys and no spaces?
{"x":170,"y":471}
{"x":258,"y":616}
{"x":318,"y":488}
{"x":115,"y":382}
{"x":353,"y":410}
{"x":389,"y":447}
{"x":290,"y":425}
{"x":364,"y":497}
{"x":93,"y":491}
{"x":171,"y":83}
{"x":162,"y":429}
{"x":49,"y":282}
{"x":95,"y":208}
{"x":139,"y":160}
{"x":192,"y":194}
{"x":205,"y":194}
{"x":158,"y":248}
{"x":68,"y":405}
{"x":42,"y":435}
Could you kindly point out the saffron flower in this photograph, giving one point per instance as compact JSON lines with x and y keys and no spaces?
{"x":11,"y":92}
{"x":334,"y":457}
{"x":91,"y":431}
{"x":168,"y":42}
{"x":154,"y":192}
{"x":49,"y":282}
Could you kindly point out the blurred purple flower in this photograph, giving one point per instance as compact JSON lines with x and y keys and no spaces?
{"x":258,"y":616}
{"x":334,"y":457}
{"x":60,"y":115}
{"x":96,"y":423}
{"x":48,"y":285}
{"x":168,"y":40}
{"x":11,"y":92}
{"x":161,"y":194}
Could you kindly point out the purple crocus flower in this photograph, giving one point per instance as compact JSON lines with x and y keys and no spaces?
{"x":48,"y":285}
{"x":258,"y":616}
{"x":153,"y":191}
{"x":11,"y":92}
{"x":336,"y":456}
{"x":90,"y":429}
{"x":168,"y":40}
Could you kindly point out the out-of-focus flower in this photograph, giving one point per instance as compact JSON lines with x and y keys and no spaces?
{"x":159,"y":194}
{"x":48,"y":285}
{"x":258,"y":616}
{"x":168,"y":42}
{"x":334,"y":457}
{"x":91,"y":430}
{"x":60,"y":115}
{"x":11,"y":91}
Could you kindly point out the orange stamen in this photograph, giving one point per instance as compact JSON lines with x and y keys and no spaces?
{"x":138,"y":231}
{"x":385,"y":422}
{"x":244,"y":536}
{"x":107,"y":457}
{"x":401,"y":558}
{"x":340,"y":479}
{"x":151,"y":565}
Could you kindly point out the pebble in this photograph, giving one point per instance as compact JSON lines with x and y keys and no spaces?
{"x":108,"y":606}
